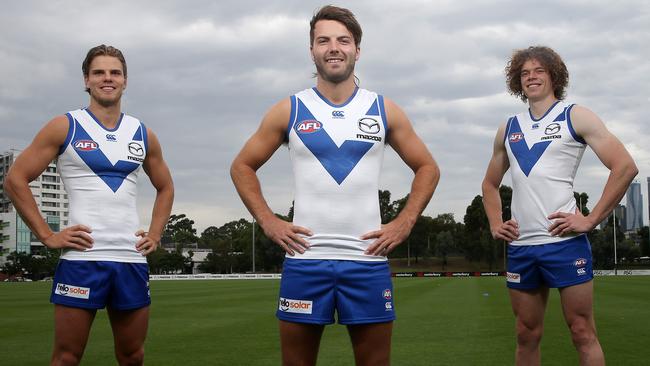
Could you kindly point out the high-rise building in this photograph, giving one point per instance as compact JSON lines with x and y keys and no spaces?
{"x":51,"y":198}
{"x":634,"y":214}
{"x":648,"y":179}
{"x":619,"y":214}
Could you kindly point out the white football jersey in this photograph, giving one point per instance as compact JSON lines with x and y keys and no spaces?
{"x":99,"y":168}
{"x":337,"y":153}
{"x":544,"y":155}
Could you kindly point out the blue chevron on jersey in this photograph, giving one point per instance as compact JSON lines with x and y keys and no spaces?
{"x":562,"y":116}
{"x":374,"y":109}
{"x":526,"y":157}
{"x":338,"y":161}
{"x":138,"y":135}
{"x":112,"y":174}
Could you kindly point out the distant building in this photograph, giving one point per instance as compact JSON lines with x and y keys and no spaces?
{"x":619,"y":213}
{"x":51,"y":198}
{"x":634,"y":212}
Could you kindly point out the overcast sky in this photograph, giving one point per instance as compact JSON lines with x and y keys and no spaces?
{"x":201,"y":74}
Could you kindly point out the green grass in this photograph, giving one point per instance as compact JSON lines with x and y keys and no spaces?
{"x":441,"y":321}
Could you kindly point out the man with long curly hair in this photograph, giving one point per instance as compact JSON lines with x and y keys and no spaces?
{"x":548,"y":246}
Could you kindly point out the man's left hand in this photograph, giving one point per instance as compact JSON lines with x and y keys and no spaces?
{"x":388,"y":237}
{"x":147,"y":244}
{"x":566,"y":223}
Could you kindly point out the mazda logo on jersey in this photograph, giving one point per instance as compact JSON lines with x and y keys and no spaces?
{"x":85,"y":145}
{"x":552,"y":129}
{"x":369,"y":125}
{"x":308,"y":126}
{"x":136,"y":149}
{"x":516,"y":137}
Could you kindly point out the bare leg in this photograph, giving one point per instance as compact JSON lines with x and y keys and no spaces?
{"x":71,"y":329}
{"x":129,"y":333}
{"x":529,"y":307}
{"x":371,"y":343}
{"x":577,"y":304}
{"x":300,"y":343}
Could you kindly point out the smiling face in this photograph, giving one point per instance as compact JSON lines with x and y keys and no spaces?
{"x":535,"y":80}
{"x":334,"y":51}
{"x":105,"y":80}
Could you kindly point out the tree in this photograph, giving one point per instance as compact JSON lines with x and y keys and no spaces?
{"x":644,"y":235}
{"x":479,"y":244}
{"x":444,"y":245}
{"x":386,"y":209}
{"x":180,"y":229}
{"x":581,"y":201}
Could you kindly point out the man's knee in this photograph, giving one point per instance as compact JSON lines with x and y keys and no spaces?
{"x":66,"y":358}
{"x":528,"y":334}
{"x":582,"y":331}
{"x":135,"y":358}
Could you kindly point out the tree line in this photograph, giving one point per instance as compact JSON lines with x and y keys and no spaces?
{"x":440,"y":237}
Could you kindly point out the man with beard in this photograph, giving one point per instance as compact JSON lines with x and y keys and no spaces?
{"x":99,"y":152}
{"x":336,"y":247}
{"x":548,"y":246}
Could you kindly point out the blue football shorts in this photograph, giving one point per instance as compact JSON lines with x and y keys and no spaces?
{"x":560,"y":264}
{"x":97,"y":284}
{"x":311,"y":291}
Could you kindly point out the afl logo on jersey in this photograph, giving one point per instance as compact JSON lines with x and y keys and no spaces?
{"x":516,"y":137}
{"x":308,"y":126}
{"x":85,"y":145}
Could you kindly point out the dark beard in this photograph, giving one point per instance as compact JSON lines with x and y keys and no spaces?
{"x":334,"y":79}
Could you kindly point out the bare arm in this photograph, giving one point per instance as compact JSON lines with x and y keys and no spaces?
{"x":415,"y":154}
{"x":497,"y":168}
{"x":27,"y":167}
{"x":614,"y":156}
{"x":156,"y":168}
{"x":257,"y":150}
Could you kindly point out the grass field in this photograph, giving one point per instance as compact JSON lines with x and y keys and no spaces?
{"x":441,"y":321}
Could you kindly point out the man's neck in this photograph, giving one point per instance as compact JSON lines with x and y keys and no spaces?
{"x":539,"y":107}
{"x":107,"y":116}
{"x":337,"y":93}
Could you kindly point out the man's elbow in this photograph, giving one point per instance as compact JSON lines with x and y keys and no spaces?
{"x":629,"y":170}
{"x":10,"y":185}
{"x":487,"y":186}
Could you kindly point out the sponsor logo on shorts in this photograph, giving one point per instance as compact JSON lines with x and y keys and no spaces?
{"x":295,"y":306}
{"x":580,"y":262}
{"x":581,"y":271}
{"x":389,"y":306}
{"x":513,"y":277}
{"x":85,"y":145}
{"x":516,"y":137}
{"x":308,"y":126}
{"x":72,"y":291}
{"x":387,"y":294}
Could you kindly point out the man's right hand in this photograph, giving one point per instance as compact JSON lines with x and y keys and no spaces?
{"x":508,"y":231}
{"x":75,"y":237}
{"x":285,"y":234}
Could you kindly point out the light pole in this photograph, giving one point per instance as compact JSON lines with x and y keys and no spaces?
{"x":253,"y":245}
